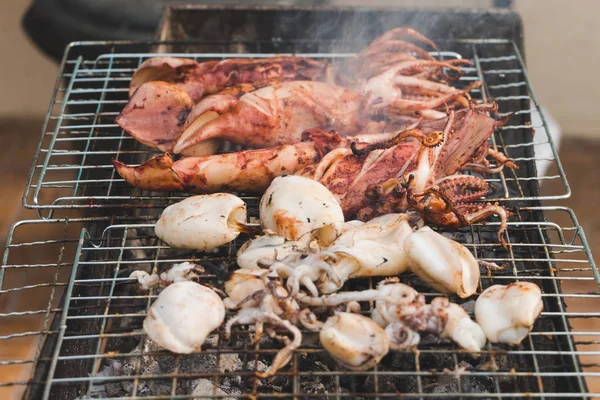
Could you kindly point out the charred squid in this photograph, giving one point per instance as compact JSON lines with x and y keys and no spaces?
{"x":418,"y":170}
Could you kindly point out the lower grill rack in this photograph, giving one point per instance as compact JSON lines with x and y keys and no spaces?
{"x":92,"y":345}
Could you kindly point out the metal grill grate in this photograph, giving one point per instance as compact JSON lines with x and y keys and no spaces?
{"x":96,"y":347}
{"x":72,"y":168}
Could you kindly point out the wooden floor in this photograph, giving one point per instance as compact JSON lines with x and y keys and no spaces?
{"x":18,"y":143}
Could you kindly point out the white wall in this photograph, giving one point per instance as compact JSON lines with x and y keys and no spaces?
{"x":562,"y":46}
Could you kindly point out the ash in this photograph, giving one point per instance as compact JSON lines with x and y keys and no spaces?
{"x":140,"y":364}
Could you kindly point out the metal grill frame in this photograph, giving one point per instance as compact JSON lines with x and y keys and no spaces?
{"x":562,"y":252}
{"x":82,"y":135}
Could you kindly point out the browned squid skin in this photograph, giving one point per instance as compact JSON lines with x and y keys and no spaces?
{"x":278,"y":114}
{"x":248,"y":171}
{"x":379,"y":180}
{"x":366,"y":183}
{"x":452,"y":203}
{"x":470,"y":132}
{"x":201,"y":79}
{"x":156,"y":114}
{"x":350,"y":177}
{"x":159,"y":112}
{"x":392,"y":85}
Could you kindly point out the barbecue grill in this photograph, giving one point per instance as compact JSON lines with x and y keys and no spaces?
{"x":90,"y":341}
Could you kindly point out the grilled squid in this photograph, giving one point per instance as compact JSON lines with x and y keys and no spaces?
{"x":185,"y":271}
{"x":384,"y":246}
{"x":263,"y":302}
{"x":442,"y":263}
{"x":293,"y":206}
{"x":354,"y":340}
{"x":242,"y":171}
{"x":396,"y":302}
{"x":199,"y":79}
{"x":242,"y":285}
{"x":373,"y":249}
{"x":407,"y":301}
{"x":507,"y":313}
{"x":156,"y":129}
{"x":401,"y":336}
{"x":202,"y":222}
{"x":459,"y":327}
{"x":278,"y":114}
{"x":268,"y":249}
{"x":284,"y":256}
{"x":183,"y":315}
{"x":263,"y":251}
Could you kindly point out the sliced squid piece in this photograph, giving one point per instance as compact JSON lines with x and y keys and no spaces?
{"x":459,"y":327}
{"x":293,"y":206}
{"x":202,"y":222}
{"x":243,"y":284}
{"x":401,"y":337}
{"x":263,"y":251}
{"x":354,"y":340}
{"x":442,"y":263}
{"x":408,"y":302}
{"x":185,"y":271}
{"x":183,"y":315}
{"x":507,"y":313}
{"x":373,"y":249}
{"x":266,"y":250}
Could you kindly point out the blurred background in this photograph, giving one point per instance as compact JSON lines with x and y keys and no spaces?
{"x":562,"y":39}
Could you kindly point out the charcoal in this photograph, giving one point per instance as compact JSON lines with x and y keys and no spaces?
{"x":469,"y":306}
{"x":389,"y":383}
{"x":449,"y":382}
{"x":152,"y":387}
{"x":206,"y":387}
{"x":108,"y":389}
{"x":319,"y":384}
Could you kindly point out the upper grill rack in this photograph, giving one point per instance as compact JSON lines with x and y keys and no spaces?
{"x":92,"y":340}
{"x":72,"y":168}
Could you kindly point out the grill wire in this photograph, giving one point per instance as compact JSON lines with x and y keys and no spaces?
{"x":89,"y":337}
{"x":95,"y":345}
{"x":73,"y":169}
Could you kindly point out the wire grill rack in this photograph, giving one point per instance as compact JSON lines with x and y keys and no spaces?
{"x":73,"y":170}
{"x":91,"y":343}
